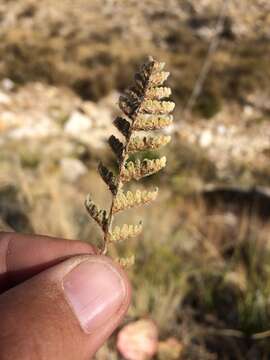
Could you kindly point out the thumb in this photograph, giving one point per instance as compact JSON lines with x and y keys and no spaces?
{"x":65,"y":312}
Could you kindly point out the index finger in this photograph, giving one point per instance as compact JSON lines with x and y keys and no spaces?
{"x":23,"y":256}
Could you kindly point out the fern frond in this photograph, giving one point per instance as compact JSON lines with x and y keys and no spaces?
{"x":128,"y":105}
{"x":156,"y":66}
{"x":139,"y":169}
{"x":126,"y":231}
{"x":122,"y":125}
{"x":157,"y":107}
{"x":158,"y":93}
{"x":145,"y":106}
{"x":158,"y":78}
{"x":134,"y":94}
{"x":151,"y":74}
{"x":138,"y":143}
{"x":99,"y":215}
{"x":117,"y":146}
{"x":147,"y":122}
{"x":131,"y":199}
{"x":108,"y":177}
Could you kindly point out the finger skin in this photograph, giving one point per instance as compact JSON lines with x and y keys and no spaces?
{"x":37,"y":321}
{"x":23,"y":256}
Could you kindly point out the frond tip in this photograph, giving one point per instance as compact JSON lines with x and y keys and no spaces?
{"x":139,"y":169}
{"x":130,"y":199}
{"x":151,"y":74}
{"x":125,"y":232}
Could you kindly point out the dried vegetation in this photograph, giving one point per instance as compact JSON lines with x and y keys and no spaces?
{"x":147,"y":98}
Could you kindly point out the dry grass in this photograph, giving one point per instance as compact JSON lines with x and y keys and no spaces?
{"x":212,"y":286}
{"x":79,"y":46}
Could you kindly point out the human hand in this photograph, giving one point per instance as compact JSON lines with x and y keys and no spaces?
{"x":56,"y":303}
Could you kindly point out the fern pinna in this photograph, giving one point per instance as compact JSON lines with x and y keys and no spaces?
{"x":145,"y":108}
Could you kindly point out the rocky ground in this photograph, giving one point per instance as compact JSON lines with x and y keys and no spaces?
{"x":86,"y":45}
{"x":236,"y":140}
{"x":62,"y":69}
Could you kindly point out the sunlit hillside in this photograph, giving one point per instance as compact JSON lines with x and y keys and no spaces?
{"x":202,"y":263}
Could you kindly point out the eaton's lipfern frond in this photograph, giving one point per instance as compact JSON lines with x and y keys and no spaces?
{"x":122,"y":125}
{"x":138,"y":143}
{"x":139,"y":169}
{"x":130,"y":199}
{"x":159,"y":93}
{"x":146,"y":107}
{"x":124,"y":232}
{"x":117,"y":146}
{"x":157,"y":107}
{"x":146,"y":122}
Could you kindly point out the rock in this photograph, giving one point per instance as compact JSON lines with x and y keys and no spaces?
{"x":7,"y":121}
{"x":92,"y":126}
{"x":170,"y":349}
{"x":221,"y":130}
{"x":77,"y":124}
{"x":72,"y":169}
{"x":7,"y":84}
{"x":206,"y":138}
{"x":34,"y":129}
{"x":248,"y":110}
{"x":4,"y":98}
{"x":100,"y":114}
{"x":138,"y":340}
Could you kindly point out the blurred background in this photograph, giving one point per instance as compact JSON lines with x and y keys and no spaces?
{"x":202,"y":273}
